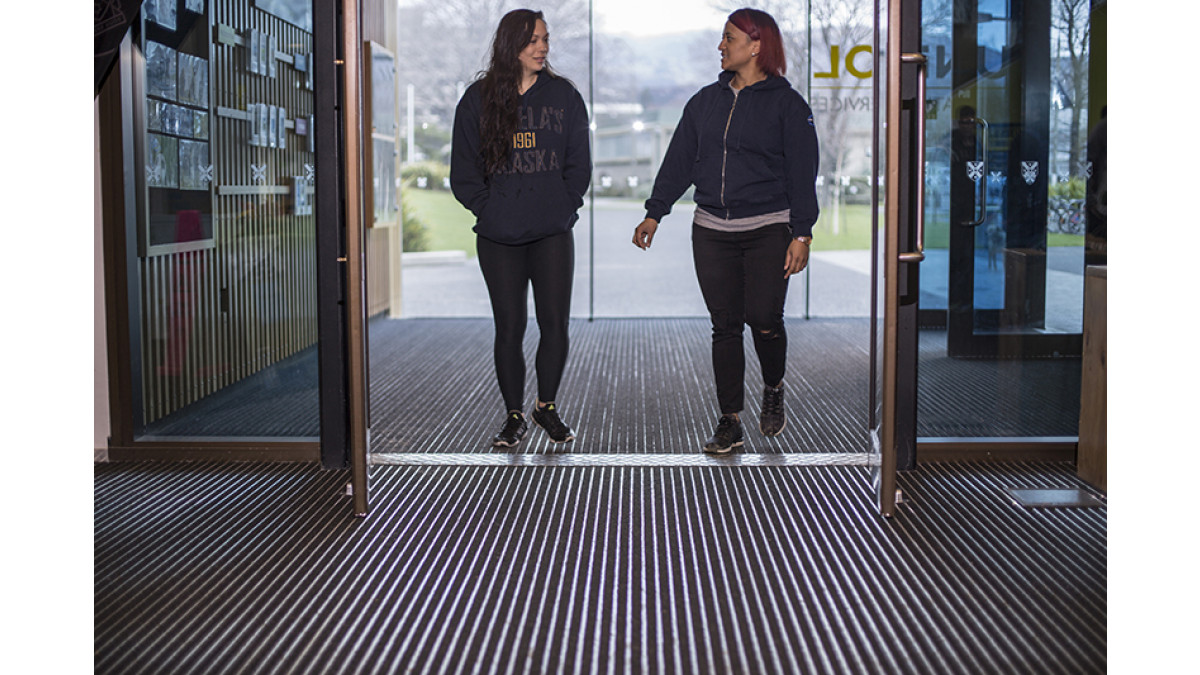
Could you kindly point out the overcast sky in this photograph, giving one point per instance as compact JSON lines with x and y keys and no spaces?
{"x":642,"y":17}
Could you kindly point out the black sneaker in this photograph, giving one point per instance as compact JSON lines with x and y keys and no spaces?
{"x":514,"y":430}
{"x":772,"y":420}
{"x":727,"y":436}
{"x":546,"y":417}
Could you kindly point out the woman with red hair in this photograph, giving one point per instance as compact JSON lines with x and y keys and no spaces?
{"x":748,"y":145}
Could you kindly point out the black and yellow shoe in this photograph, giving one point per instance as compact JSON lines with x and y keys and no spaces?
{"x":515,"y":426}
{"x":546,"y":417}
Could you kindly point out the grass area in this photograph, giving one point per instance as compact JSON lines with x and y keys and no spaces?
{"x":448,"y":223}
{"x":853,"y":231}
{"x":1054,"y":239}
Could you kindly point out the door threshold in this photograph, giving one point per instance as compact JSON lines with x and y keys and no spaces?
{"x":623,"y":459}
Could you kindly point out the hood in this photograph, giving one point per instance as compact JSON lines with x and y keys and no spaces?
{"x":772,"y":81}
{"x":542,"y":79}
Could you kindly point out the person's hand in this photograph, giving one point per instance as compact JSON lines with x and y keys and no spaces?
{"x":643,"y":234}
{"x":797,"y":258}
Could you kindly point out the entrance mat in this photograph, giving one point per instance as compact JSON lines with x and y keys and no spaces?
{"x":1053,"y":498}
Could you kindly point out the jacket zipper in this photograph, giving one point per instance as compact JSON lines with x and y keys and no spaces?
{"x":725,"y":152}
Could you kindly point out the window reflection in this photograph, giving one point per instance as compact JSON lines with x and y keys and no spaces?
{"x":226,"y":318}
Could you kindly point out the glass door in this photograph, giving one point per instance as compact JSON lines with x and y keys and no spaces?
{"x":1007,"y":138}
{"x":225,"y":245}
{"x":1009,"y":110}
{"x":217,"y":328}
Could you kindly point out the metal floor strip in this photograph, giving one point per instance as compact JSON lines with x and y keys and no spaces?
{"x":621,"y":459}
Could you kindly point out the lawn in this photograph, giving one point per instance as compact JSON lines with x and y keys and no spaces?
{"x":449,"y":225}
{"x":447,"y":222}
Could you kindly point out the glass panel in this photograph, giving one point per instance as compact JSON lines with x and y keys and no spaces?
{"x":225,"y":324}
{"x":652,"y":64}
{"x":648,"y":60}
{"x":654,"y":58}
{"x":637,"y":65}
{"x":1007,"y":174}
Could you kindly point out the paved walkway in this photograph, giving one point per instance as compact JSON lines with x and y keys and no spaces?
{"x":629,"y":282}
{"x":661,"y":282}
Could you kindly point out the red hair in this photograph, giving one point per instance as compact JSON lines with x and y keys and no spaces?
{"x":760,"y":26}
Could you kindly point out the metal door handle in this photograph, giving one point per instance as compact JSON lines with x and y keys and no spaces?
{"x":919,"y":59}
{"x":979,"y":121}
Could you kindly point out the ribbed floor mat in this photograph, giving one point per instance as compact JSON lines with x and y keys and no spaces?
{"x":639,"y":386}
{"x":631,"y":386}
{"x":259,"y":568}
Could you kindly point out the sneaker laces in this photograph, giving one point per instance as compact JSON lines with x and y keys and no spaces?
{"x":773,"y":400}
{"x":549,"y":417}
{"x":513,"y":423}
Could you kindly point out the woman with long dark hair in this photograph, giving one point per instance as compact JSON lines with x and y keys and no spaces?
{"x":521,"y":163}
{"x":748,"y":144}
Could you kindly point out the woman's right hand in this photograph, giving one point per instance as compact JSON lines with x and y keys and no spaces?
{"x":643,"y":234}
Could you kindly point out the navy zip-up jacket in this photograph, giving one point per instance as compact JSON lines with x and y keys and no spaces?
{"x":753,"y":155}
{"x":539,"y":192}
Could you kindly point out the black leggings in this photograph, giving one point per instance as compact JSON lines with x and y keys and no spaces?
{"x":741,"y":278}
{"x":549,"y":264}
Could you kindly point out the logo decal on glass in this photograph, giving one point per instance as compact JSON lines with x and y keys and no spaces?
{"x":975,"y":170}
{"x":309,"y":172}
{"x":259,"y":172}
{"x":1088,"y":170}
{"x":206,"y":173}
{"x":1029,"y":171}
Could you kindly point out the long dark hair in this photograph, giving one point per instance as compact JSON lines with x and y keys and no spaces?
{"x":502,"y":86}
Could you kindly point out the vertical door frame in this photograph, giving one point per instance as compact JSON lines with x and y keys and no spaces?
{"x":355,"y":257}
{"x":117,"y":188}
{"x":902,"y":248}
{"x":331,"y":282}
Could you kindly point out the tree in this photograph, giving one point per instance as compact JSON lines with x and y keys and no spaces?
{"x":1071,"y":24}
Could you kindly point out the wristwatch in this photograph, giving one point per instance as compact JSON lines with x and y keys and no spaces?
{"x":807,"y":240}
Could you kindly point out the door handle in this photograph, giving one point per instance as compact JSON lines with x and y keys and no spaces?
{"x":922,"y":63}
{"x":982,"y":209}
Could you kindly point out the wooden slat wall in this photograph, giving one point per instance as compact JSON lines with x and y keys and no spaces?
{"x":216,"y":316}
{"x":379,"y":26}
{"x":379,"y":23}
{"x":378,"y":274}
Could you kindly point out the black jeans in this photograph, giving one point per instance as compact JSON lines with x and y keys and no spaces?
{"x":549,"y":265}
{"x":741,"y":278}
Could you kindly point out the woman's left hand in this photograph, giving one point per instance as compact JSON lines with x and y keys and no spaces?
{"x":797,"y":258}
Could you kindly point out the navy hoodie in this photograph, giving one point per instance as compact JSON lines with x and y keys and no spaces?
{"x":747,"y":157}
{"x":540,"y":190}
